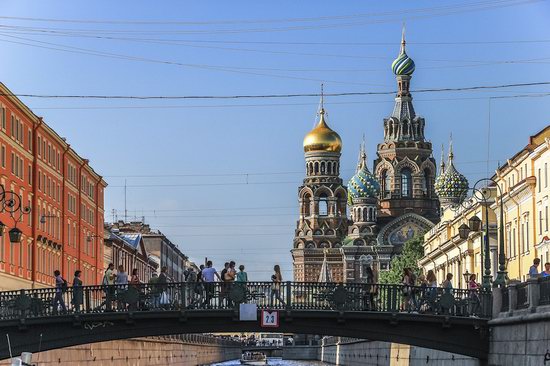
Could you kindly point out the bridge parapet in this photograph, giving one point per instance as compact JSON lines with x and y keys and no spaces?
{"x":530,"y":296}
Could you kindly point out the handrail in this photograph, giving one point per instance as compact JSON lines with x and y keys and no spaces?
{"x":201,"y":296}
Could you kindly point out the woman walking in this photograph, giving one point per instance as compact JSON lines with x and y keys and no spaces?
{"x":78,"y":293}
{"x":276,"y":278}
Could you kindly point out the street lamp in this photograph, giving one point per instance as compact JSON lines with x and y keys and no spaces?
{"x":474,"y":224}
{"x":11,"y":202}
{"x":463,"y":231}
{"x":466,"y":277}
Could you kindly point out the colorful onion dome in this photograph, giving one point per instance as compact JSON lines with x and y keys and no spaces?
{"x":403,"y":64}
{"x":322,"y":137}
{"x":363,"y":184}
{"x":451,"y":185}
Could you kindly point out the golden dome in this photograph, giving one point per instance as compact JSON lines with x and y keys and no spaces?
{"x":322,"y":138}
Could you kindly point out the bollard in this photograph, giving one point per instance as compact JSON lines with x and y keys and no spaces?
{"x":533,"y":293}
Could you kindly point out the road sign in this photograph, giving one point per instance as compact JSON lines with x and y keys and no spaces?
{"x":270,"y":319}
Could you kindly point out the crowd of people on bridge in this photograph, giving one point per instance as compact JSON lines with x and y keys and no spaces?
{"x":201,"y":289}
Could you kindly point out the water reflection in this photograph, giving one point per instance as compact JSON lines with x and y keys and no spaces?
{"x":276,"y":362}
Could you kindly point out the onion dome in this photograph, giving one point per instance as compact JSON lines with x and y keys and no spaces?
{"x":363,"y":184}
{"x":451,"y":186}
{"x":322,"y":137}
{"x":403,"y":64}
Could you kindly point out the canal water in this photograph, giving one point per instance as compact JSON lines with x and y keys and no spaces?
{"x":276,"y":362}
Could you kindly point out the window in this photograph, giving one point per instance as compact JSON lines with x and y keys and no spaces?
{"x":527,"y":235}
{"x":546,"y":218}
{"x":540,"y":222}
{"x":427,"y":183}
{"x":323,"y":205}
{"x":514,"y":241}
{"x":3,"y":117}
{"x":29,"y":255}
{"x":539,"y":182}
{"x":3,"y":156}
{"x":406,"y":183}
{"x":545,"y":175}
{"x":386,"y":183}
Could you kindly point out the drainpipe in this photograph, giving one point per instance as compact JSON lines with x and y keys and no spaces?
{"x":35,"y":219}
{"x":63,"y":208}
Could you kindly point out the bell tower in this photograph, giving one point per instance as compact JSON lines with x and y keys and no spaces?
{"x":405,"y":166}
{"x":322,"y":222}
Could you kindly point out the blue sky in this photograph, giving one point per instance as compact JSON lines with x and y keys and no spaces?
{"x":185,"y":161}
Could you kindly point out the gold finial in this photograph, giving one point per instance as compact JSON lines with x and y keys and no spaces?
{"x":451,"y":155}
{"x":322,"y":109}
{"x":403,"y":42}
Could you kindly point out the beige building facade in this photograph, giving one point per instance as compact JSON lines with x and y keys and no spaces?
{"x":523,"y":191}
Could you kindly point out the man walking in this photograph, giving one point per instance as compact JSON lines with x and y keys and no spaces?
{"x":60,"y":288}
{"x":208,"y":275}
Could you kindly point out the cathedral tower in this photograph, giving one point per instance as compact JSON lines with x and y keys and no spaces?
{"x":322,"y":223}
{"x":405,"y":166}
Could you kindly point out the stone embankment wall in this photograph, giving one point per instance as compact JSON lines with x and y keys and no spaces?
{"x":137,"y":352}
{"x":352,"y":352}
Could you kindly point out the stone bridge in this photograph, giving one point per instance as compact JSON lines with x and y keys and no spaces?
{"x":448,"y":320}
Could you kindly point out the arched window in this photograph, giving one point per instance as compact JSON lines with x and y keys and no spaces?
{"x":406,"y":183}
{"x":386,"y":184}
{"x":323,"y":168}
{"x":306,"y":203}
{"x":316,"y":167}
{"x":323,"y":205}
{"x":427,"y":183}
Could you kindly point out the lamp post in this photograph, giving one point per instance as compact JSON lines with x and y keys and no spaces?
{"x":11,"y":203}
{"x":474,"y":224}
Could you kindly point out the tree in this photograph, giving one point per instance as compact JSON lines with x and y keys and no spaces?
{"x":413,"y":250}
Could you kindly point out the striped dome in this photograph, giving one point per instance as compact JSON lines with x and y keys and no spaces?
{"x":363,"y":184}
{"x":403,"y":64}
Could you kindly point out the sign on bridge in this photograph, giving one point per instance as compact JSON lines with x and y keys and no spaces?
{"x":270,"y":319}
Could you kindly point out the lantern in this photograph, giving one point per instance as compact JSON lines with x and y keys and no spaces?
{"x":15,"y":235}
{"x":463,"y":231}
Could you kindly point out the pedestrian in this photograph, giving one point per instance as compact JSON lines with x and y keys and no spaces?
{"x":533,"y":270}
{"x":431,"y":278}
{"x":189,"y":287}
{"x":223,"y":285}
{"x":546,"y":272}
{"x":276,"y":280}
{"x":208,"y":277}
{"x":154,"y":290}
{"x":447,"y":284}
{"x":78,"y":293}
{"x":230,"y":276}
{"x":473,"y":288}
{"x":242,"y":276}
{"x":134,"y":279}
{"x":162,"y":284}
{"x":108,"y":287}
{"x":407,"y":281}
{"x":121,"y":282}
{"x":60,"y":289}
{"x":371,"y":289}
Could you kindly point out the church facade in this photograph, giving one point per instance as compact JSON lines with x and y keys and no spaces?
{"x":388,"y":206}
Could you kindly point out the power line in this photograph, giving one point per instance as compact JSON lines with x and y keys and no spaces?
{"x":424,"y":13}
{"x":246,"y":21}
{"x":530,"y":95}
{"x":270,"y":96}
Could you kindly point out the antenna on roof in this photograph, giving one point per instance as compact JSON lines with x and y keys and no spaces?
{"x":125,"y":208}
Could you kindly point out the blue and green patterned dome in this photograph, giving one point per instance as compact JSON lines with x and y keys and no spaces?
{"x":403,"y":64}
{"x":363,"y":184}
{"x":451,"y":185}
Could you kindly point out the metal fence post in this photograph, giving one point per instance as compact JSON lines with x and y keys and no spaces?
{"x":533,"y":293}
{"x":288,"y":295}
{"x":512,"y":297}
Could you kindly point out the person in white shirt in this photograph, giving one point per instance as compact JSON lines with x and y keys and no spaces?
{"x":208,"y":277}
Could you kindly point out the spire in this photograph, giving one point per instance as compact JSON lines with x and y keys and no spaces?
{"x":362,"y":160}
{"x":451,"y":155}
{"x":442,"y":161}
{"x":403,"y":42}
{"x":322,"y":102}
{"x":325,"y":275}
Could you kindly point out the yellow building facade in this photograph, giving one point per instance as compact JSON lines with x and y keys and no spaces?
{"x":523,"y":181}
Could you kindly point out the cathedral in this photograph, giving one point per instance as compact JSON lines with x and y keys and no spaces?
{"x":397,"y":201}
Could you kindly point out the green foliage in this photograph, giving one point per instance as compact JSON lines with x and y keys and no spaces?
{"x":413,"y":250}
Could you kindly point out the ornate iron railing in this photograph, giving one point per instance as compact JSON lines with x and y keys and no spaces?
{"x":227,"y":296}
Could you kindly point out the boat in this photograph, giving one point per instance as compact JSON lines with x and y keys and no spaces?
{"x":253,"y":358}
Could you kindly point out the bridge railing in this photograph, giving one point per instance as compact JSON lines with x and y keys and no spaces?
{"x":227,"y":296}
{"x":526,"y":295}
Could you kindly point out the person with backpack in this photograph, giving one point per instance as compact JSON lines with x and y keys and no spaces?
{"x":61,"y":287}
